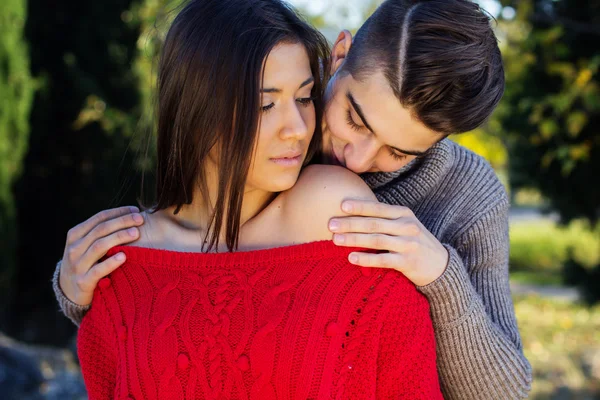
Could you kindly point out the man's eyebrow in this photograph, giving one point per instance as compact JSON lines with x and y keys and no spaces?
{"x":359,"y":111}
{"x":274,"y":90}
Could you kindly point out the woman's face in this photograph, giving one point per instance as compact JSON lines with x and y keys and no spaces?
{"x":287,"y":120}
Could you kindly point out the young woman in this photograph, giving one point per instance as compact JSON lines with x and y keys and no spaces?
{"x":233,"y":289}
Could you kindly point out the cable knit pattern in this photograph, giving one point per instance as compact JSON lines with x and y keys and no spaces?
{"x":458,"y":198}
{"x":295,"y":322}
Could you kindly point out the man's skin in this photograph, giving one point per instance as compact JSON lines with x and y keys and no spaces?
{"x":365,"y":129}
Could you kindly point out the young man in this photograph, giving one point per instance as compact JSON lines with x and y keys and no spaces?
{"x":416,"y":72}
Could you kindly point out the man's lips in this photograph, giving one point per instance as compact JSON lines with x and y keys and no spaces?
{"x":335,"y":157}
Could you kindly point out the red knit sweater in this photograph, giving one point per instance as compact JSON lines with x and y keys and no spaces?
{"x":295,"y":322}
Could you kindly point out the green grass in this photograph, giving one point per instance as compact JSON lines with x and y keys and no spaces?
{"x":539,"y":250}
{"x":561,"y":340}
{"x":544,"y":278}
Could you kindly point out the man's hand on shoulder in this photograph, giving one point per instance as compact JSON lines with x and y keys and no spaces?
{"x":316,"y":198}
{"x":407,"y":245}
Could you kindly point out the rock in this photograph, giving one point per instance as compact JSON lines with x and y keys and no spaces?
{"x":38,"y":372}
{"x":20,"y":376}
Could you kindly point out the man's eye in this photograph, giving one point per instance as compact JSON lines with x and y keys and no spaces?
{"x":351,"y":122}
{"x":397,"y":157}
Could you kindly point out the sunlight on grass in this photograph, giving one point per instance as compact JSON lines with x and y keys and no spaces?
{"x":561,"y":340}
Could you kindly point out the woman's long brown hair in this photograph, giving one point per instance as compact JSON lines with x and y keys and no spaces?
{"x":209,"y":95}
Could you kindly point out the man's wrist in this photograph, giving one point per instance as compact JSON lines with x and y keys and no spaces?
{"x":73,"y":311}
{"x":451,"y":295}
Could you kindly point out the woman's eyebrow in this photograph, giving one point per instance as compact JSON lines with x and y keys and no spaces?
{"x":275,"y":90}
{"x":307,"y":82}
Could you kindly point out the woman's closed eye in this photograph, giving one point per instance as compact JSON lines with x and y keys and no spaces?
{"x":304,"y":101}
{"x":267,"y":107}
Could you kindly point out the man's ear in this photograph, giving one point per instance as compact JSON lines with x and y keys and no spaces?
{"x":340,"y":50}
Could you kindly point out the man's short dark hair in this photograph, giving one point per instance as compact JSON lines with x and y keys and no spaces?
{"x":440,"y":57}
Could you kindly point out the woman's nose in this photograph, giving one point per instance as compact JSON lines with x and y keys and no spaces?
{"x":294,"y":126}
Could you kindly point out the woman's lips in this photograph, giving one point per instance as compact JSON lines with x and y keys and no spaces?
{"x":288,"y":161}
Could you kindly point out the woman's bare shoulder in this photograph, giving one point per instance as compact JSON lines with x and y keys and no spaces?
{"x":152,"y":231}
{"x":317,"y":197}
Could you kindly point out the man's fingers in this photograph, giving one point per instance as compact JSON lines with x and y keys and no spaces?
{"x":376,"y":241}
{"x":81,"y":230}
{"x":111,"y":226}
{"x":369,"y":208}
{"x":406,"y":226}
{"x":104,"y":268}
{"x":373,"y":241}
{"x":100,"y":247}
{"x":99,"y":271}
{"x":382,"y":260}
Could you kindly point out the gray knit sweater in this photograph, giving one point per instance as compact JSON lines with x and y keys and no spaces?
{"x":457,"y":196}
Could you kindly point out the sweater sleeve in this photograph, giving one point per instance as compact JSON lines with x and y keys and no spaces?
{"x":73,"y":311}
{"x":406,"y":365}
{"x":480,"y":353}
{"x":96,"y":349}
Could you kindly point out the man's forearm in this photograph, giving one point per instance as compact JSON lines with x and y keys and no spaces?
{"x":477,"y":358}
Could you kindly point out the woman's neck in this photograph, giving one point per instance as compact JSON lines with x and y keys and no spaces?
{"x":195,"y":217}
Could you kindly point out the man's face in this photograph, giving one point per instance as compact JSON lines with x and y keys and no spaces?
{"x":366,"y":129}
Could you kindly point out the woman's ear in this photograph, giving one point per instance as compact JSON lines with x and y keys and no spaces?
{"x":340,"y":50}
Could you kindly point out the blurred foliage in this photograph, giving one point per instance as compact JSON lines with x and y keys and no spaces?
{"x":542,"y":247}
{"x":16,"y":94}
{"x":587,"y":280}
{"x":550,"y":114}
{"x":331,"y":16}
{"x":489,"y":146}
{"x":561,"y":340}
{"x":153,"y":18}
{"x":529,"y":197}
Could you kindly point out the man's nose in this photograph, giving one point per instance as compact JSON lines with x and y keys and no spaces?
{"x":361,"y":156}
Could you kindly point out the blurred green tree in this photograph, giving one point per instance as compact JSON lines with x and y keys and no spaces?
{"x":550,"y":113}
{"x":16,"y":94}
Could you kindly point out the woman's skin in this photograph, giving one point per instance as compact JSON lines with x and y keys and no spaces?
{"x":286,"y":128}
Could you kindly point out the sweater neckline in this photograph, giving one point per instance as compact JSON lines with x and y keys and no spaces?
{"x":173,"y":259}
{"x":411,"y":184}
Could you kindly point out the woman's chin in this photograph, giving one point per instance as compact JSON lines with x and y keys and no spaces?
{"x":282,"y":182}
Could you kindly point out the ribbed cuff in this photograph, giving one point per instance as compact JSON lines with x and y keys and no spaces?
{"x":451,"y":297}
{"x":73,"y":311}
